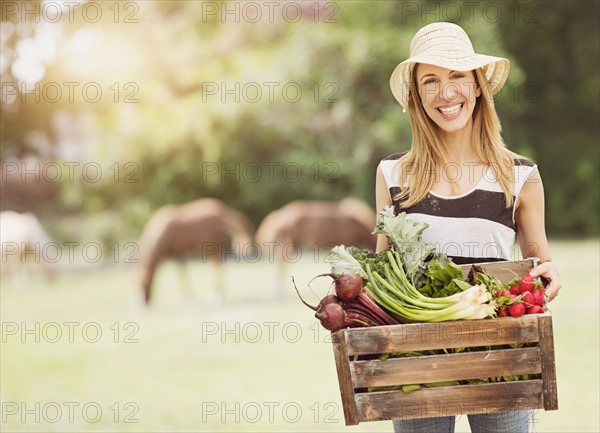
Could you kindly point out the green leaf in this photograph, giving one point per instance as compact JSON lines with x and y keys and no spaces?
{"x":462,"y":284}
{"x":444,"y":278}
{"x":342,"y":262}
{"x":404,"y":235}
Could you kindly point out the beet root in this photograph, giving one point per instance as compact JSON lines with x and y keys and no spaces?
{"x":329,"y":299}
{"x":332,"y":316}
{"x":348,"y":286}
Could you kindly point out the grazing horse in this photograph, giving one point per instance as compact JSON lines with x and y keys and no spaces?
{"x":205,"y":228}
{"x":24,"y":242}
{"x":317,"y":224}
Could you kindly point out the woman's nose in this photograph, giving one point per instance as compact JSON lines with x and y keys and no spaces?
{"x":450,"y":91}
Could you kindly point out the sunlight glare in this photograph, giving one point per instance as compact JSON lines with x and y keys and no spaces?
{"x":28,"y":67}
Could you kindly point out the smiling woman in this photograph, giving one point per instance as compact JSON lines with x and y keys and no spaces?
{"x":448,"y":90}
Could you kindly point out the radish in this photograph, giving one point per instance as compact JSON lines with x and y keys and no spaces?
{"x":526,"y":284}
{"x":528,"y":299}
{"x":332,"y":316}
{"x":517,"y":309}
{"x":514,"y":289}
{"x":535,"y":309}
{"x":502,"y":293}
{"x":503,"y":312}
{"x":538,"y":297}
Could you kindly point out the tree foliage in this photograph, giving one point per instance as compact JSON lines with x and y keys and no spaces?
{"x":558,"y":121}
{"x":261,"y":111}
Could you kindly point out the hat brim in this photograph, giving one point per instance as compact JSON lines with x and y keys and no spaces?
{"x":496,"y":70}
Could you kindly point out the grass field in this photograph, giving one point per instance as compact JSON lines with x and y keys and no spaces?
{"x":78,"y":356}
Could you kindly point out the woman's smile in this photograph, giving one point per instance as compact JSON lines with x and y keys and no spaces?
{"x":450,"y":112}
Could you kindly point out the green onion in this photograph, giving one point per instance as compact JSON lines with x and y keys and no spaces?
{"x":396,"y":293}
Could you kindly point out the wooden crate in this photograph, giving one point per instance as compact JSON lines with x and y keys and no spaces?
{"x":356,"y":353}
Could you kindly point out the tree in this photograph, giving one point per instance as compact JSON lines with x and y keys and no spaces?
{"x":558,"y":119}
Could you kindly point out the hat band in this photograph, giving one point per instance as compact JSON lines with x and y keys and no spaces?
{"x":441,"y":46}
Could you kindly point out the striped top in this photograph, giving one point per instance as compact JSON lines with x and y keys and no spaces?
{"x":473,"y":227}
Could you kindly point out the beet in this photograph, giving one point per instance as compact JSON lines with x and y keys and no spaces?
{"x":332,"y":316}
{"x":347,"y":286}
{"x":329,"y":299}
{"x":351,"y":306}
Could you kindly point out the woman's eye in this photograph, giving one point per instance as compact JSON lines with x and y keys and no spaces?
{"x":458,"y":76}
{"x":429,"y":81}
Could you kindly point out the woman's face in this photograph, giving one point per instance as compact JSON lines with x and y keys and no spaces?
{"x":448,"y":97}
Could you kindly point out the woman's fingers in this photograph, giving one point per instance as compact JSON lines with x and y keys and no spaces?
{"x":548,"y":272}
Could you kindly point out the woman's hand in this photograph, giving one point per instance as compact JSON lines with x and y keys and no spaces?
{"x":548,"y":271}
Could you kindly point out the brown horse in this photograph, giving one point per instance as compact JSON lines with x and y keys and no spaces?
{"x":320,"y":223}
{"x":205,"y":228}
{"x":317,"y":224}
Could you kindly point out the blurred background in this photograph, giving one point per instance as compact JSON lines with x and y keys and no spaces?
{"x":112,"y":110}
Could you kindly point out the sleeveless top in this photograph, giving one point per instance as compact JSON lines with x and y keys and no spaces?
{"x":473,"y":227}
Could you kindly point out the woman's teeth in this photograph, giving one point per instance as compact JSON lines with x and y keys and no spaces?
{"x":450,"y":110}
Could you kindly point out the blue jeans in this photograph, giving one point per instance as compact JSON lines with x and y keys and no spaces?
{"x":504,"y":422}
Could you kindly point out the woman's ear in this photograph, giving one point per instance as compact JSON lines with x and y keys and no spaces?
{"x":477,"y":91}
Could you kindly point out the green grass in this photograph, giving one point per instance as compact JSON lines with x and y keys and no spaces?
{"x":254,"y":363}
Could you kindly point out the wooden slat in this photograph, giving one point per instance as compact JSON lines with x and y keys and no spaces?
{"x":548,"y":367}
{"x":448,"y":335}
{"x":344,"y":378}
{"x":452,"y":400}
{"x":504,"y":270}
{"x":449,"y":367}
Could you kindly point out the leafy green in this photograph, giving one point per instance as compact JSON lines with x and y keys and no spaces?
{"x":478,"y":276}
{"x":343,"y":262}
{"x":444,"y":278}
{"x":376,"y":261}
{"x":404,"y":235}
{"x":353,"y":259}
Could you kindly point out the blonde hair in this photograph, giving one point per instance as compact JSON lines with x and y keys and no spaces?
{"x":418,"y":166}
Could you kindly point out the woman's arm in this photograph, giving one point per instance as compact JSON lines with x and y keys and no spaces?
{"x":531,"y":232}
{"x":382,"y":199}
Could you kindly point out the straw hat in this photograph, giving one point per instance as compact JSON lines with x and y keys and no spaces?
{"x":448,"y":46}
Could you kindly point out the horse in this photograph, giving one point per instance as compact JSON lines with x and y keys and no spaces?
{"x":205,"y":228}
{"x":23,"y":236}
{"x":319,"y":225}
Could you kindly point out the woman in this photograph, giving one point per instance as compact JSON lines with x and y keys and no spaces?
{"x":477,"y":196}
